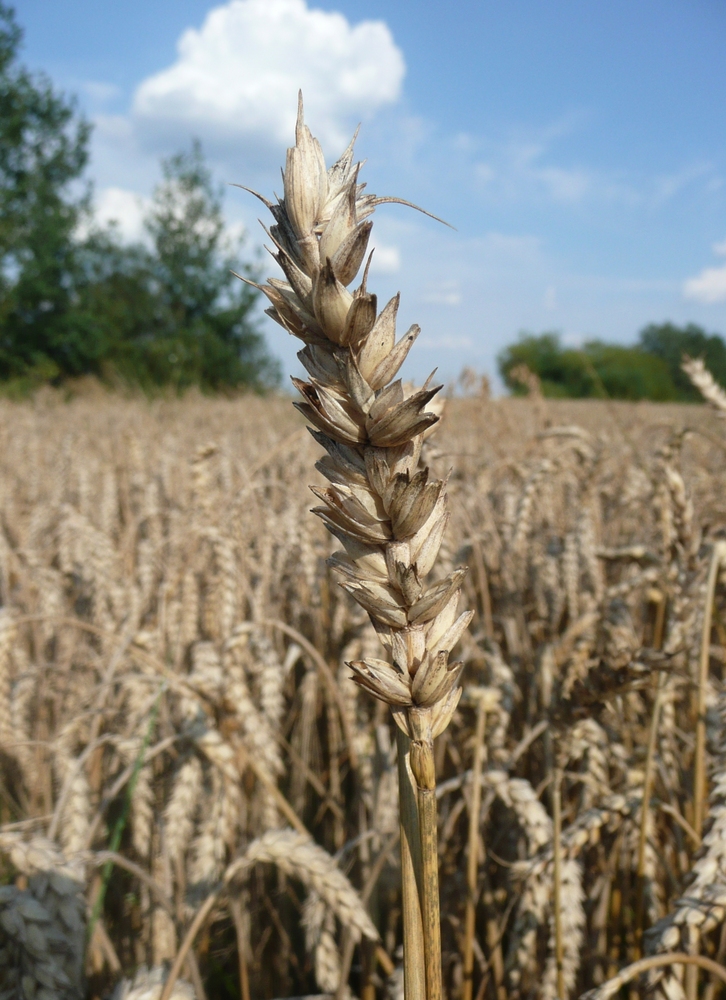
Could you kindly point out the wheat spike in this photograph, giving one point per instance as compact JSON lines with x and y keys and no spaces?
{"x":298,"y":856}
{"x":704,"y":381}
{"x":181,"y":808}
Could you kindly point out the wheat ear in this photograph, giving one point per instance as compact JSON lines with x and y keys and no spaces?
{"x":388,"y":514}
{"x":706,"y":384}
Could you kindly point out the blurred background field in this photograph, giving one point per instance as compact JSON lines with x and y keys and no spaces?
{"x":175,"y":696}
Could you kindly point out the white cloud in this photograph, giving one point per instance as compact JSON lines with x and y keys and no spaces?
{"x":670,"y":185}
{"x":127,"y":209}
{"x":709,"y":286}
{"x":100,"y":92}
{"x":386,"y":259}
{"x":239,"y":74}
{"x":523,"y":165}
{"x":518,"y":169}
{"x":448,"y":293}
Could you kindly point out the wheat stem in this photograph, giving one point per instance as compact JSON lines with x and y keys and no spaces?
{"x":645,"y":812}
{"x":699,"y":767}
{"x":430,"y":886}
{"x":472,"y":869}
{"x":557,"y":858}
{"x":244,"y":979}
{"x":414,"y":978}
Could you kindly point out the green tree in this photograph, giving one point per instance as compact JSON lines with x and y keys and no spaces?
{"x":670,"y":342}
{"x":43,"y":150}
{"x":174,"y":314}
{"x":597,"y":370}
{"x":205,"y":310}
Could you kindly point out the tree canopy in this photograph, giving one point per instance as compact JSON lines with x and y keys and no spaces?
{"x":651,"y":369}
{"x":173,"y":313}
{"x":43,"y":149}
{"x":165,"y":312}
{"x":671,"y":342}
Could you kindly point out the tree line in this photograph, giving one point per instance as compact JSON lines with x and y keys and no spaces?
{"x":75,"y":299}
{"x":649,"y":369}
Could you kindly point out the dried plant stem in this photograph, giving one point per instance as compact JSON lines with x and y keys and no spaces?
{"x":244,"y":980}
{"x":647,"y":791}
{"x":424,"y":772}
{"x":671,"y":811}
{"x":482,"y":576}
{"x":328,"y":678}
{"x":557,"y":857}
{"x":430,"y":885}
{"x":473,"y":855}
{"x":196,"y":925}
{"x":699,"y":767}
{"x":699,"y":764}
{"x":414,"y":981}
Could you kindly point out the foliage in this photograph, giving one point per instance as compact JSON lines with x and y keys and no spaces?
{"x":597,"y":370}
{"x":175,"y":314}
{"x":167,"y":314}
{"x":671,"y":342}
{"x":43,"y":149}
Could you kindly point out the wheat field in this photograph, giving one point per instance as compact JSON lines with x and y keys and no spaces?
{"x":189,"y":778}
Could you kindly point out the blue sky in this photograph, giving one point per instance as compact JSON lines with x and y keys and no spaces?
{"x":579,"y":148}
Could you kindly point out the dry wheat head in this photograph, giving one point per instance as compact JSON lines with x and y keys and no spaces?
{"x":388,"y":513}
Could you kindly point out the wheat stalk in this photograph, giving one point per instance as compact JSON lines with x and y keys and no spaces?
{"x":388,"y":513}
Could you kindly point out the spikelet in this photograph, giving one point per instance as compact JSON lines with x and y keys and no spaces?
{"x":142,"y":802}
{"x":385,"y":808}
{"x":501,"y":677}
{"x":573,"y":924}
{"x":571,"y":576}
{"x":518,"y":795}
{"x":257,"y":734}
{"x":75,"y":821}
{"x":272,"y":675}
{"x":304,"y":738}
{"x":588,"y":743}
{"x":318,"y":922}
{"x":163,"y":936}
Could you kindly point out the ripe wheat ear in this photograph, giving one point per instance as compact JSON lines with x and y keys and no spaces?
{"x":382,"y":504}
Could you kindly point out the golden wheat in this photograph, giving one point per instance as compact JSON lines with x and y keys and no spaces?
{"x":164,"y":590}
